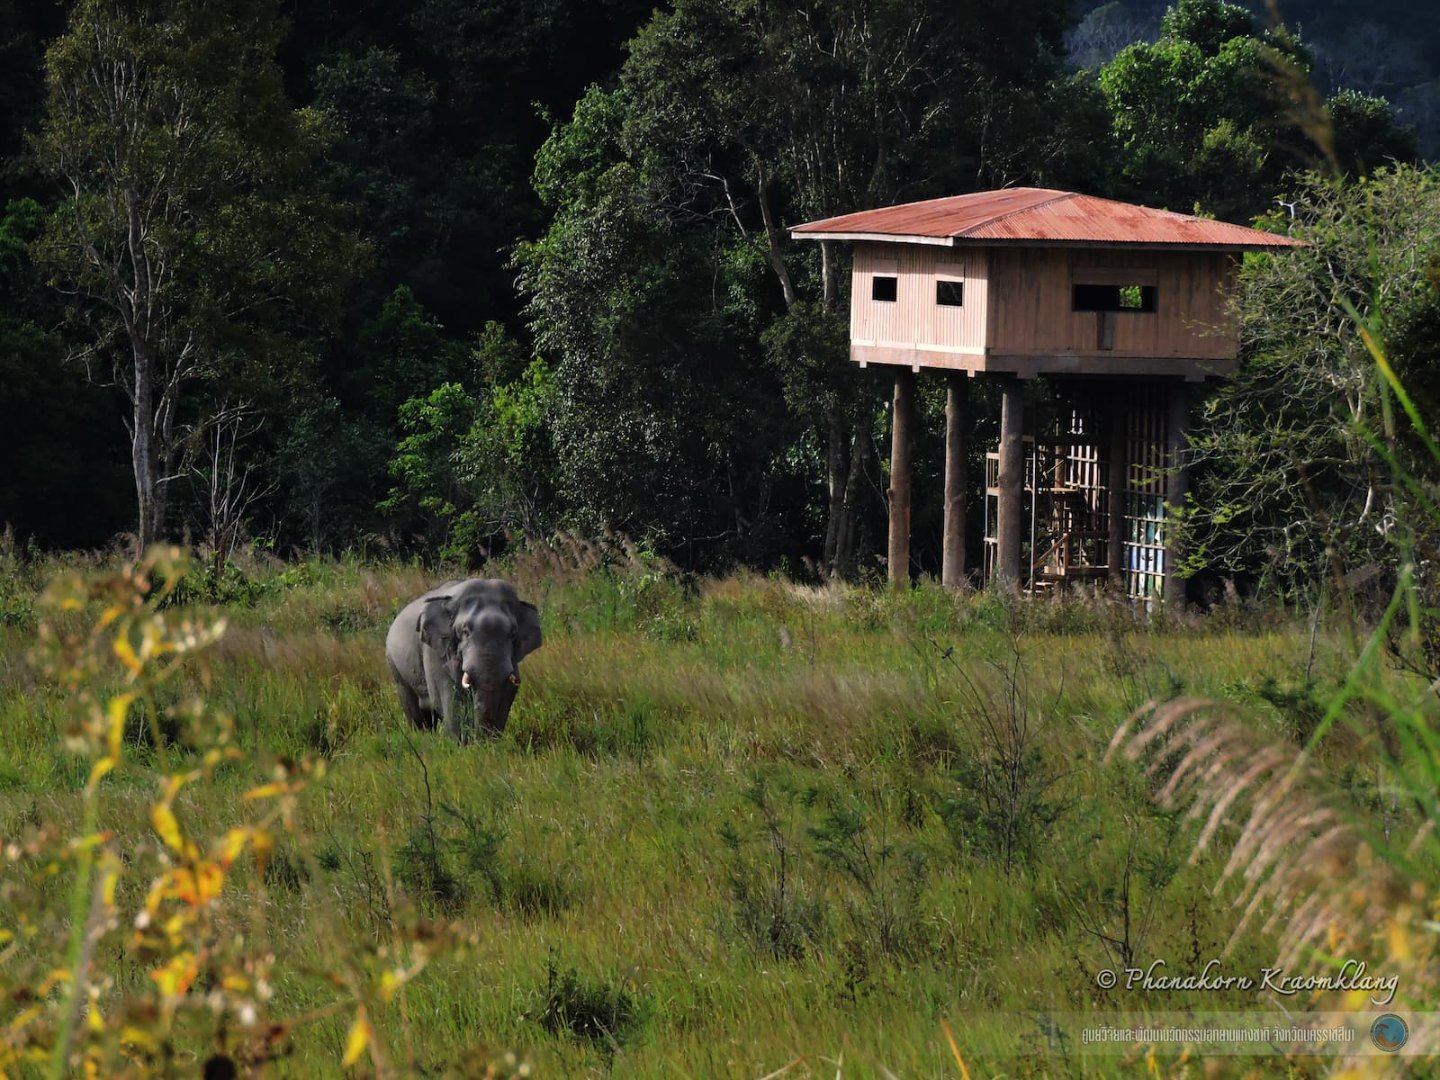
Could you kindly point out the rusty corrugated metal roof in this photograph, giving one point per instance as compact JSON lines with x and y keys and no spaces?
{"x":1036,"y":216}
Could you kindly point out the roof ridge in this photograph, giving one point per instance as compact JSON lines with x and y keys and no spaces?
{"x":1060,"y":196}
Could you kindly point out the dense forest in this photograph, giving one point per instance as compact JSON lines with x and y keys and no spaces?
{"x":433,"y":275}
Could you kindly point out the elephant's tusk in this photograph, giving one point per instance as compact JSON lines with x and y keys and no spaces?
{"x":465,"y":680}
{"x":514,"y":680}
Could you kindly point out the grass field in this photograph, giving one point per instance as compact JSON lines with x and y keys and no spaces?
{"x":732,"y":823}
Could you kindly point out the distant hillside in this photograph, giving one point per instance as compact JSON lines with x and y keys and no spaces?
{"x":1385,"y":47}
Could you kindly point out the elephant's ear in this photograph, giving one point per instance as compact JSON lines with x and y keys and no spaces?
{"x":437,"y":625}
{"x":527,"y":629}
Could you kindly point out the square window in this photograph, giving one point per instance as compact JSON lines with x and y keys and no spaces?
{"x":884,"y":288}
{"x":950,"y":293}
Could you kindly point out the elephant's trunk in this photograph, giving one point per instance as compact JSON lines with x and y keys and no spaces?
{"x":492,"y":701}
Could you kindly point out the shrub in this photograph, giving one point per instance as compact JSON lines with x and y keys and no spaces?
{"x":602,"y":1010}
{"x":884,"y":907}
{"x":535,"y":891}
{"x":774,"y":906}
{"x":1003,"y":801}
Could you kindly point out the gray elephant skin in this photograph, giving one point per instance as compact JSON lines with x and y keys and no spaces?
{"x":455,"y":655}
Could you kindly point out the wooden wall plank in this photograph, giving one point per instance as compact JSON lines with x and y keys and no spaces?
{"x":1033,"y":310}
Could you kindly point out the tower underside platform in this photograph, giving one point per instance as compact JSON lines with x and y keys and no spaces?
{"x":1100,"y":461}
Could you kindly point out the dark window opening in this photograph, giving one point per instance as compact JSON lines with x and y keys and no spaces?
{"x":883,"y":288}
{"x":950,"y":293}
{"x":1114,"y":298}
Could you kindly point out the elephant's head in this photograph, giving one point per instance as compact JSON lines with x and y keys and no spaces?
{"x":483,"y":630}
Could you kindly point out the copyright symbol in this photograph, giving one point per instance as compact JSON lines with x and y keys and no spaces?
{"x":1105,"y":979}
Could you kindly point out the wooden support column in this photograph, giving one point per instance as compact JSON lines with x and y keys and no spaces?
{"x":957,"y":424}
{"x":1177,"y":483}
{"x":1119,"y":480}
{"x":1009,"y":524}
{"x":900,"y":420}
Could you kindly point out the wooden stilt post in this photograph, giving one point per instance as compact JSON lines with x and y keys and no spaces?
{"x":1009,"y":526}
{"x":1177,"y":483}
{"x":1119,"y":480}
{"x":957,"y":424}
{"x":900,"y":478}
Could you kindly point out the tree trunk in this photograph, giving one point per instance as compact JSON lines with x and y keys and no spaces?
{"x":837,"y":474}
{"x":149,"y":493}
{"x":957,"y":427}
{"x":774,"y":243}
{"x":829,"y":283}
{"x":900,"y":419}
{"x":1009,"y":526}
{"x":847,"y":536}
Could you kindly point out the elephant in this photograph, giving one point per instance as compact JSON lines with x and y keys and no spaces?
{"x":464,"y":638}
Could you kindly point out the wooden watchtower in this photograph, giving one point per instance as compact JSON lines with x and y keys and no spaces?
{"x":1120,"y":306}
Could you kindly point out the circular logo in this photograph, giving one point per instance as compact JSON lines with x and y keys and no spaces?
{"x":1389,"y":1033}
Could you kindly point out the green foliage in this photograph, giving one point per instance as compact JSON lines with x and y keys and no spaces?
{"x":508,"y":461}
{"x":384,"y":120}
{"x":323,"y":455}
{"x":438,"y":107}
{"x":998,"y":814}
{"x":572,"y":163}
{"x":453,"y":856}
{"x":654,"y":374}
{"x":436,"y":425}
{"x":1301,"y":705}
{"x":809,"y":348}
{"x":1199,"y":114}
{"x":479,"y":468}
{"x":1377,"y":50}
{"x":16,"y":591}
{"x":1291,"y":481}
{"x":599,"y":1010}
{"x":1005,"y":798}
{"x":822,"y":868}
{"x":843,"y":105}
{"x":1365,"y":133}
{"x":1209,"y":116}
{"x":1208,"y":24}
{"x":774,"y":904}
{"x":886,"y":913}
{"x":403,"y":347}
{"x":425,"y":873}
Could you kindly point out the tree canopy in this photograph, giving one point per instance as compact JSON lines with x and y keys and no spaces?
{"x":1211,"y":116}
{"x":443,"y":274}
{"x":188,"y":234}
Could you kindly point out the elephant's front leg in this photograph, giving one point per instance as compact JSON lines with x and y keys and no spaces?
{"x":456,"y":700}
{"x":446,"y":695}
